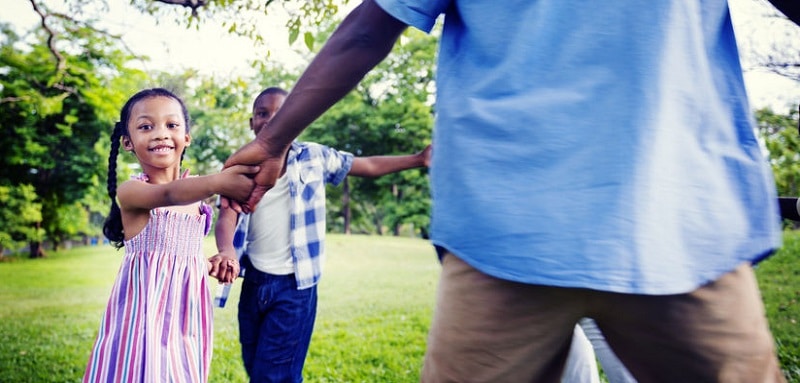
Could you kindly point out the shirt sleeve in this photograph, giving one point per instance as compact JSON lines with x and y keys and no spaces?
{"x":337,"y":164}
{"x":420,"y":14}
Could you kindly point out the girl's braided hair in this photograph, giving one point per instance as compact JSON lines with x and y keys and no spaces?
{"x":112,"y":228}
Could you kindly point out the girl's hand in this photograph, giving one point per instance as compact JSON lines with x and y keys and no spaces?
{"x":224,"y":267}
{"x":236,"y":182}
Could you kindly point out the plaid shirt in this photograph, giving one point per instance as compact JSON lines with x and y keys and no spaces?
{"x":309,"y":167}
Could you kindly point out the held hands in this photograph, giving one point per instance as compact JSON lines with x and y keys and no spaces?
{"x":237,"y":181}
{"x":224,"y":267}
{"x":270,"y":163}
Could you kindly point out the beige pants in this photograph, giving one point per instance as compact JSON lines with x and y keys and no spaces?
{"x":491,"y":330}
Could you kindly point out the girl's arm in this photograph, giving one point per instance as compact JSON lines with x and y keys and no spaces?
{"x":232,"y":182}
{"x":376,"y":166}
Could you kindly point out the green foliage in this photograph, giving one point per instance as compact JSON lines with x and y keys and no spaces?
{"x":56,"y":102}
{"x":389,"y":113}
{"x":69,"y":221}
{"x":18,"y":217}
{"x":782,"y":139}
{"x":220,"y":111}
{"x":241,"y":17}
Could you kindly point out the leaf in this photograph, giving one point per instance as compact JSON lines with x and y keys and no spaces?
{"x":309,"y":40}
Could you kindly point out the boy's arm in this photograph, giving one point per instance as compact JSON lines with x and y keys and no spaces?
{"x":376,"y":166}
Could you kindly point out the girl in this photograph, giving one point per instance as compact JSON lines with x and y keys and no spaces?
{"x":157,"y":326}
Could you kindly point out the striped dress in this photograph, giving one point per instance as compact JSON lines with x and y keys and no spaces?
{"x":158,"y":324}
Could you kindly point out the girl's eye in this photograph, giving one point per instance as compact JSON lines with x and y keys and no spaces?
{"x":145,"y":127}
{"x":173,"y":126}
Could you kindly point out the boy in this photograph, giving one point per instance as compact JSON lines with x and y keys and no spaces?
{"x":285,"y":244}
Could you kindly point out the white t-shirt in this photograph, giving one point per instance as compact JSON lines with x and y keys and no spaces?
{"x":268,"y":234}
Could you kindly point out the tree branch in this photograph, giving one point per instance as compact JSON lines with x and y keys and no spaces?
{"x":191,"y":4}
{"x":61,"y":63}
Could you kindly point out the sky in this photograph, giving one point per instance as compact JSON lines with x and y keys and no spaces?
{"x":212,"y":50}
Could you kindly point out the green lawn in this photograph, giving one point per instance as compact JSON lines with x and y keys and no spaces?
{"x":375,"y":305}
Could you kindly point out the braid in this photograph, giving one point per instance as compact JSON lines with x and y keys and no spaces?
{"x":112,"y":228}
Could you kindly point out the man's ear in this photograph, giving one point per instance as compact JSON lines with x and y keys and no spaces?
{"x":127,"y":144}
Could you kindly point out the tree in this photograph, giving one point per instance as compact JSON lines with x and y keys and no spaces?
{"x":58,"y":95}
{"x":770,"y":41}
{"x":390,"y":112}
{"x":242,"y":16}
{"x":220,"y":112}
{"x":782,"y":140}
{"x":18,"y":217}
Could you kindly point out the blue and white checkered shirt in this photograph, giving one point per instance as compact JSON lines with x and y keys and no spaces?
{"x":309,"y":166}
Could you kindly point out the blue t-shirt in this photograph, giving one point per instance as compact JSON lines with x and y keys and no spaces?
{"x":599,"y":145}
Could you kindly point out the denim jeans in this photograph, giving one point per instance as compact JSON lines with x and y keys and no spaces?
{"x":275,"y":324}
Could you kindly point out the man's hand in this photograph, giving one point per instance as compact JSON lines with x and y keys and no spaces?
{"x":270,"y":161}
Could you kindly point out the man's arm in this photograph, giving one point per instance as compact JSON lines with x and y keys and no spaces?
{"x":376,"y":166}
{"x":362,"y":40}
{"x":790,"y":8}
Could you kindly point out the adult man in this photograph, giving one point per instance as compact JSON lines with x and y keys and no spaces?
{"x":589,"y":161}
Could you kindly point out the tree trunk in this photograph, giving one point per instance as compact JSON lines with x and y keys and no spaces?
{"x":398,"y":195}
{"x":37,"y":250}
{"x":346,"y":205}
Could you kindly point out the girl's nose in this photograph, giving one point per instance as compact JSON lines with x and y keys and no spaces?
{"x":162,"y":132}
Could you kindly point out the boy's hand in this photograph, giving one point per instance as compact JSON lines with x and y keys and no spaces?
{"x":426,"y":155}
{"x":224,"y":267}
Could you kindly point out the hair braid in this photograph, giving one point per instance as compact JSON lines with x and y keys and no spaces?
{"x":112,"y":228}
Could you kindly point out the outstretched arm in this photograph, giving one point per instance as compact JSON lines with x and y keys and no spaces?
{"x":138,"y":195}
{"x":362,"y":40}
{"x":376,"y":166}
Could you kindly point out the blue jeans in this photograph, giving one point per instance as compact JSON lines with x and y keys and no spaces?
{"x":275,"y":324}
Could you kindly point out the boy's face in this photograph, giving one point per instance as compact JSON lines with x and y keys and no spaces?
{"x":264,"y":109}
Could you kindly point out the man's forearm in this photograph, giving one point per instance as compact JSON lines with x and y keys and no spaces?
{"x":362,"y":41}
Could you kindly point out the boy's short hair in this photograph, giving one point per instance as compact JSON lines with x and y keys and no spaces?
{"x":270,"y":90}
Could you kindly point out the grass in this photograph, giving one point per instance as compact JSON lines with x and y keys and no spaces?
{"x":376,"y":301}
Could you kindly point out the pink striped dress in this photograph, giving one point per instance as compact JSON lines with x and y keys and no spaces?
{"x":158,"y":324}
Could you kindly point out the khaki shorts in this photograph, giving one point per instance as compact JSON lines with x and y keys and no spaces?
{"x":491,"y":330}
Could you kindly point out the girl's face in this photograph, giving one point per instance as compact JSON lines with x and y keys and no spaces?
{"x":264,"y":109}
{"x":158,"y":133}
